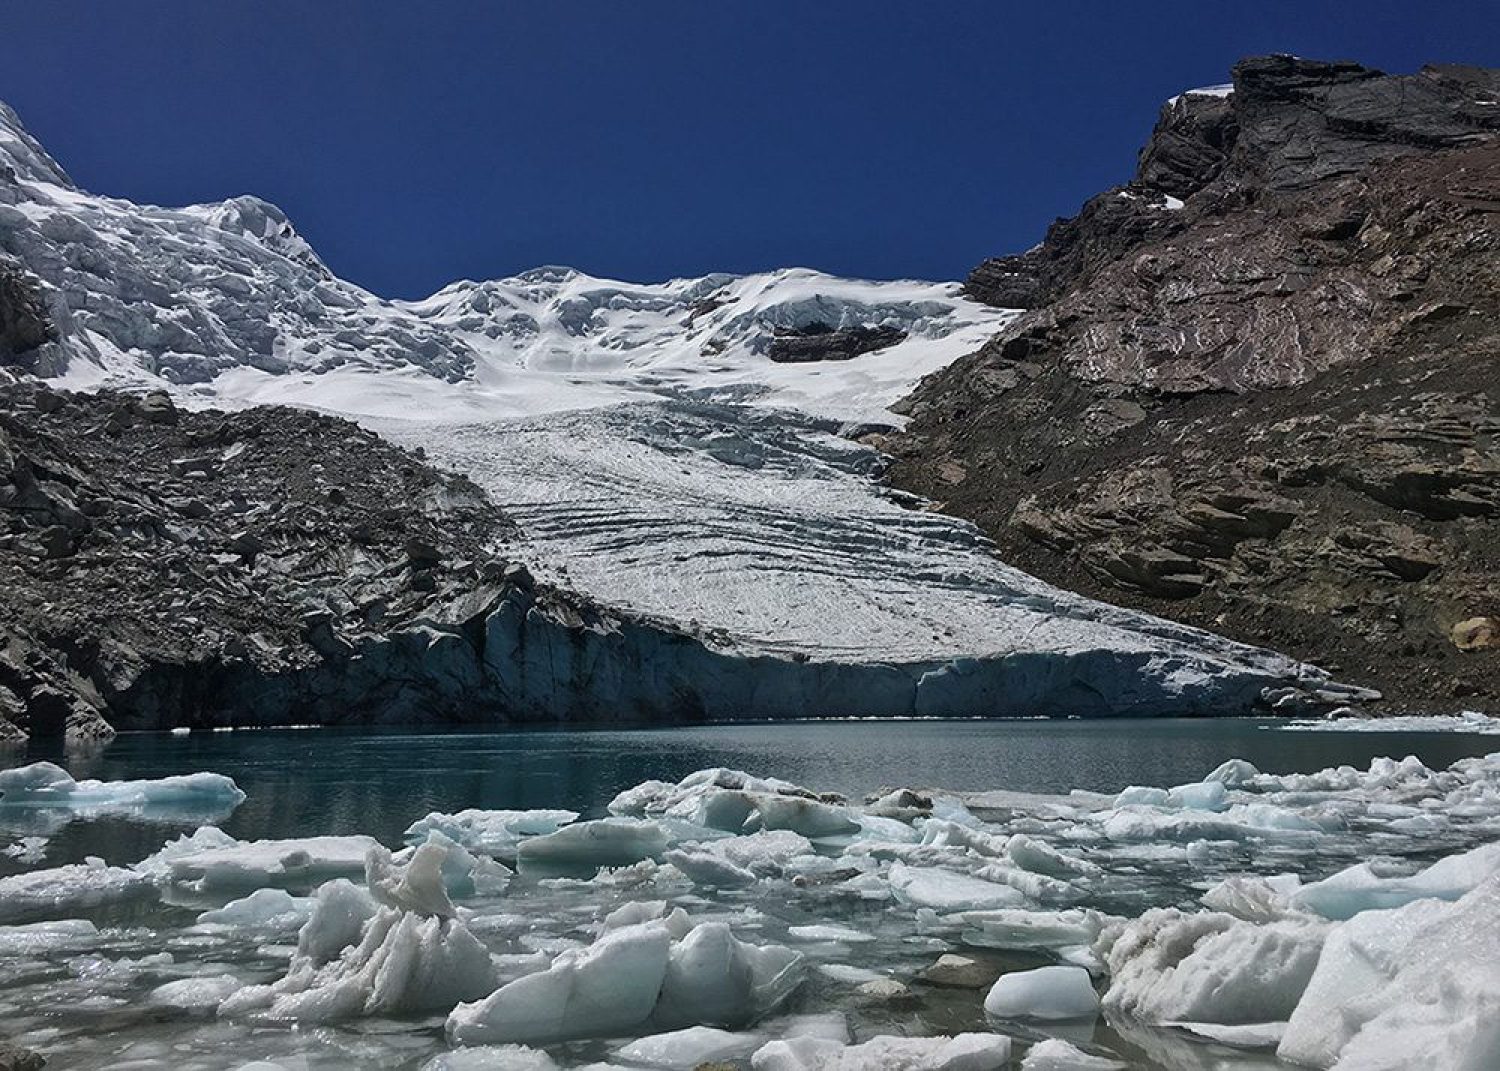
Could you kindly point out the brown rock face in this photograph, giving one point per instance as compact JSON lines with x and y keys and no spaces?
{"x":1273,"y":411}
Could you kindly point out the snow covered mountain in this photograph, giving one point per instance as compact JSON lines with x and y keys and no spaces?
{"x":657,"y":453}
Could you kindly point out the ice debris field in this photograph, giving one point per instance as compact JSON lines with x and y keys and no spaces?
{"x":1345,"y":919}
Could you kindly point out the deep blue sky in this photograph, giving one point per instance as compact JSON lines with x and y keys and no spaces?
{"x":414,"y":143}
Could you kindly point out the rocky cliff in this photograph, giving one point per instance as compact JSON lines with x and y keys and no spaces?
{"x":1256,"y":390}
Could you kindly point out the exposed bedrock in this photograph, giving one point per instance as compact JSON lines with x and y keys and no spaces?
{"x":1289,"y":124}
{"x":1256,"y":390}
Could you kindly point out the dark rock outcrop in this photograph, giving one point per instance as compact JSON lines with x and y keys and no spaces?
{"x":1290,"y":124}
{"x":24,"y":325}
{"x":1268,"y":406}
{"x":824,"y":343}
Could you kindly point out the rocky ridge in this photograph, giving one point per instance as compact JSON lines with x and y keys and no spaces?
{"x":1256,"y":390}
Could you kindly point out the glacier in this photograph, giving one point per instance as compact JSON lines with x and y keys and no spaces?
{"x":657,"y":453}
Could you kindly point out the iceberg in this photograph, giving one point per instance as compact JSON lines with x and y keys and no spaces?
{"x":945,"y":890}
{"x":603,"y":842}
{"x":1020,"y":929}
{"x":1362,"y":888}
{"x":1414,"y":986}
{"x":632,"y":975}
{"x":43,"y":784}
{"x":496,"y":833}
{"x":212,"y":862}
{"x":608,"y":988}
{"x":42,"y":798}
{"x":269,"y":910}
{"x":1055,"y":993}
{"x":411,"y":955}
{"x":1210,"y":967}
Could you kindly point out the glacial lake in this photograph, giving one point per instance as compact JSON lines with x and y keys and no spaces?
{"x":337,"y":781}
{"x":95,"y":1000}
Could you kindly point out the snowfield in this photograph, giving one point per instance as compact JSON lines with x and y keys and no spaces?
{"x":654,"y":455}
{"x":1234,"y":923}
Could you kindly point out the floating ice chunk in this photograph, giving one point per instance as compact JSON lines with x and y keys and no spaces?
{"x":418,"y":885}
{"x":942,"y":833}
{"x":404,"y":964}
{"x":830,"y":1025}
{"x":1211,"y":795}
{"x":260,"y":863}
{"x":739,"y":811}
{"x":602,"y":842}
{"x":946,"y":890}
{"x":1038,"y":856}
{"x":159,"y":864}
{"x":683,"y":1050}
{"x":849,"y":974}
{"x":1210,"y":967}
{"x":702,"y":867}
{"x":877,"y":828}
{"x":1362,"y":888}
{"x":463,"y":873}
{"x":797,"y":1054}
{"x":1055,"y":1054}
{"x":196,"y":994}
{"x":271,"y":910}
{"x":1019,"y":929}
{"x":1417,"y":986}
{"x":661,"y":797}
{"x":1254,"y":898}
{"x":27,"y":850}
{"x":965,"y":1052}
{"x":339,"y":914}
{"x":736,"y":861}
{"x":1054,"y":993}
{"x":491,"y":832}
{"x":47,"y":785}
{"x":65,"y":890}
{"x":1233,"y":773}
{"x":1240,"y":821}
{"x":1238,"y":1035}
{"x":492,"y":1058}
{"x":829,"y":932}
{"x":634,"y":913}
{"x":40,"y":937}
{"x":604,"y":989}
{"x":43,"y":784}
{"x":1141,"y":796}
{"x":1202,"y":796}
{"x":713,"y":977}
{"x":630,"y":976}
{"x":1033,"y":886}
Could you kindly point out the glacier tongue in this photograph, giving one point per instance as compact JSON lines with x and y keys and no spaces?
{"x":655,"y":454}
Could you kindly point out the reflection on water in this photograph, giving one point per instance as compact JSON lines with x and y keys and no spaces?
{"x":309,"y":782}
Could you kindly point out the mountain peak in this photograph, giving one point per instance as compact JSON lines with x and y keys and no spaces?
{"x":23,"y":156}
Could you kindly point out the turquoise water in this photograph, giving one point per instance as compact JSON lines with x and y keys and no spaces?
{"x":318,"y":781}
